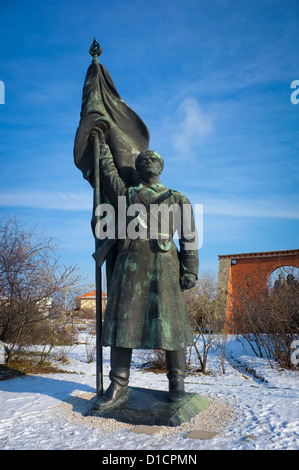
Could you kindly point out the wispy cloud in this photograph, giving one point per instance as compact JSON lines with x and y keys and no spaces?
{"x":274,"y":207}
{"x":68,"y":201}
{"x":193,"y":127}
{"x":187,"y":128}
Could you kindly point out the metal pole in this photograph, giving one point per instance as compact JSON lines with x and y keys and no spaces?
{"x":98,"y":276}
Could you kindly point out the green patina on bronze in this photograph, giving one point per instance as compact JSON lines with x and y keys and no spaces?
{"x":147,"y":276}
{"x":146,"y":304}
{"x":150,"y":407}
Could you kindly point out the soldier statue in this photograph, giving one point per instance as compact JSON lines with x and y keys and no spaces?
{"x":146,"y":305}
{"x":146,"y":275}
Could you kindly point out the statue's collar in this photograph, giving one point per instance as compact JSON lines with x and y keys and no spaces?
{"x":154,"y":186}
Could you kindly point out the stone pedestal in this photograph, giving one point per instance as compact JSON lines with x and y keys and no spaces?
{"x":151,"y":407}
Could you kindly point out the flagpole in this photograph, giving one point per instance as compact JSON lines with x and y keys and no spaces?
{"x":98,"y":275}
{"x":95,"y":50}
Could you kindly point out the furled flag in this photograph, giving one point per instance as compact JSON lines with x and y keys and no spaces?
{"x":126,"y":134}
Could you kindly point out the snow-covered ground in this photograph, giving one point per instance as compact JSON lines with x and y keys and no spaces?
{"x":249,"y":410}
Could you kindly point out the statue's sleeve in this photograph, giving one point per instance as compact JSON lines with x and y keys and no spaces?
{"x":110,"y":179}
{"x":188,"y":239}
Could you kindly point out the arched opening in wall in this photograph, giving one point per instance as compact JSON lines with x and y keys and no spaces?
{"x":282,"y":276}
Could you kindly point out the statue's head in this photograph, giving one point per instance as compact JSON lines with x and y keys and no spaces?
{"x":149,"y":164}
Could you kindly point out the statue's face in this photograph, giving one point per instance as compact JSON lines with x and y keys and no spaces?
{"x":148,"y":166}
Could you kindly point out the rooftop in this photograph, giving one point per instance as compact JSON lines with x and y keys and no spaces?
{"x":261,"y":254}
{"x":91,"y":295}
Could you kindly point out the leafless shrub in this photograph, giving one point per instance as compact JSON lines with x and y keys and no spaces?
{"x":206,"y":313}
{"x":90,"y":348}
{"x":267,"y":317}
{"x":35,"y":290}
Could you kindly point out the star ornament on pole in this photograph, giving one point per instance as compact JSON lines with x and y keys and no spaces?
{"x":95,"y":50}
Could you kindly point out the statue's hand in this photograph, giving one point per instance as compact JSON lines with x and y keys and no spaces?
{"x":188,"y":281}
{"x":97,"y":133}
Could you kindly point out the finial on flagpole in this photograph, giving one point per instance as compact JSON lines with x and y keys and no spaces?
{"x":95,"y":50}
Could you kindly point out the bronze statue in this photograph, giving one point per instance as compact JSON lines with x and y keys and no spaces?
{"x":146,"y":275}
{"x":146,"y":304}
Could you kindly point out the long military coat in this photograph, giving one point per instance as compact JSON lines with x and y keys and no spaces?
{"x":146,"y":306}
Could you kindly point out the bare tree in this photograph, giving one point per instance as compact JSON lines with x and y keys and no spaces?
{"x":34,"y":287}
{"x":267,"y":317}
{"x":206,"y":314}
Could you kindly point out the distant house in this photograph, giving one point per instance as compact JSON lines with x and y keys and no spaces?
{"x":86,"y":303}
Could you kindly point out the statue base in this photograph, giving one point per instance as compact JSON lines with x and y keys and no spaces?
{"x":152,"y":408}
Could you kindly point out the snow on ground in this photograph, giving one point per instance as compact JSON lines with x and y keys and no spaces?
{"x":249,"y":411}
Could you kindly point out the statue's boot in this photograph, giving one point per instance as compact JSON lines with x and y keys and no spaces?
{"x":117,"y":391}
{"x":175,"y":363}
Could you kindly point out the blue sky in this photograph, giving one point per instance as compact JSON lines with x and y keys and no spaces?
{"x":210,"y":78}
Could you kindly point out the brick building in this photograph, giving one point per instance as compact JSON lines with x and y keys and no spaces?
{"x":241,"y":271}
